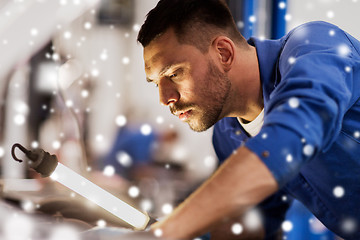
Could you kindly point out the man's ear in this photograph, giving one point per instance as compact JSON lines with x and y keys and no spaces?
{"x":225,"y":50}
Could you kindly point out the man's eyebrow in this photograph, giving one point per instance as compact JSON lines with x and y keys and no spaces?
{"x":163,"y":70}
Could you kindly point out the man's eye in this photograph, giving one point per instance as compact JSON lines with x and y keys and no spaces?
{"x":172,"y":75}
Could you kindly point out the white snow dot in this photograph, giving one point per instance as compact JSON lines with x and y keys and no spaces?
{"x":349,"y":226}
{"x":55,"y":57}
{"x":159,"y":120}
{"x":35,"y":144}
{"x":99,"y":138}
{"x":109,"y":171}
{"x":264,"y":136}
{"x":287,"y":226}
{"x":347,"y":69}
{"x":252,"y":19}
{"x":124,"y":159}
{"x":27,"y":206}
{"x":294,"y":102}
{"x":338,"y":191}
{"x":125,"y":60}
{"x":291,"y":60}
{"x":237,"y":228}
{"x":69,"y":103}
{"x":288,"y":17}
{"x":146,"y":205}
{"x":330,"y":14}
{"x":84,"y":93}
{"x":19,"y":119}
{"x":34,"y":32}
{"x":63,"y":2}
{"x":252,"y":220}
{"x":282,"y":5}
{"x":101,"y":223}
{"x":120,"y":120}
{"x":2,"y":152}
{"x":343,"y":50}
{"x":136,"y":27}
{"x":134,"y":191}
{"x":356,"y":134}
{"x":331,"y":32}
{"x":308,"y":150}
{"x":167,"y":208}
{"x":158,"y":232}
{"x":5,"y":41}
{"x":104,"y":55}
{"x":284,"y":198}
{"x":289,"y":158}
{"x":56,"y":144}
{"x":87,"y":25}
{"x":64,"y":232}
{"x":209,"y":161}
{"x":145,"y":129}
{"x":67,"y":35}
{"x":95,"y":72}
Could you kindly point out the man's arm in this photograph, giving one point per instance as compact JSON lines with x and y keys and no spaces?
{"x":241,"y":182}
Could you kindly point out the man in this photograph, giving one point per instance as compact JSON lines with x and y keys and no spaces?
{"x":286,"y":115}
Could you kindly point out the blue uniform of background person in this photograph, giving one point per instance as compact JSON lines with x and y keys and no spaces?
{"x":310,"y":136}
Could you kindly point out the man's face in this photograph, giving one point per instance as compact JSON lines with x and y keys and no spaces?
{"x":189,"y":81}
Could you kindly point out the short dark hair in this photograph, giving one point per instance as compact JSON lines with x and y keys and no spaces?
{"x":194,"y":22}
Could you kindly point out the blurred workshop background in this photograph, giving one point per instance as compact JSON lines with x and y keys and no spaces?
{"x":72,"y":82}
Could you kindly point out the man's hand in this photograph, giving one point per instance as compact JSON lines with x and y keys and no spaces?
{"x":240,"y":183}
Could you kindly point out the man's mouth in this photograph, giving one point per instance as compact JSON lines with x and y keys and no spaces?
{"x":183,"y":115}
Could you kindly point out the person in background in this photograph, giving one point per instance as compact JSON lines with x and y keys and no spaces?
{"x":286,"y":117}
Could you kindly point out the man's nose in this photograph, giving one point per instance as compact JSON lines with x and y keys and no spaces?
{"x":168,"y":93}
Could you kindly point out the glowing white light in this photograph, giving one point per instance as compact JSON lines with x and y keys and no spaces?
{"x":28,"y":206}
{"x":2,"y":152}
{"x":19,"y":119}
{"x":134,"y":191}
{"x":252,"y":19}
{"x":167,"y":208}
{"x":158,"y":232}
{"x":294,"y":102}
{"x":331,"y":32}
{"x":99,"y":138}
{"x":347,"y":69}
{"x":99,"y":196}
{"x":264,"y":136}
{"x":237,"y":228}
{"x":120,"y":120}
{"x":343,"y":50}
{"x":64,"y":232}
{"x":136,"y":27}
{"x":124,"y":159}
{"x":289,"y":158}
{"x":95,"y":72}
{"x":288,"y":17}
{"x":330,"y":14}
{"x":34,"y":32}
{"x":308,"y":150}
{"x":125,"y":60}
{"x":159,"y":120}
{"x":284,"y":198}
{"x":287,"y":226}
{"x":291,"y":60}
{"x":338,"y":191}
{"x":56,"y":144}
{"x":67,"y":35}
{"x":101,"y":223}
{"x":252,"y":220}
{"x":145,"y":129}
{"x":349,"y":226}
{"x":209,"y":161}
{"x":55,"y":57}
{"x":69,"y":103}
{"x":282,"y":5}
{"x":87,"y":25}
{"x":356,"y":134}
{"x":63,"y":2}
{"x":84,"y":93}
{"x":109,"y":171}
{"x":146,"y":205}
{"x":104,"y":55}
